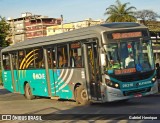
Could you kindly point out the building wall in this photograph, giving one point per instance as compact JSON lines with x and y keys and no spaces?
{"x":37,"y":27}
{"x":30,"y":26}
{"x":17,"y":30}
{"x":52,"y":30}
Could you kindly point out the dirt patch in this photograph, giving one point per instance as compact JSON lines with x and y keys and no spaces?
{"x":1,"y":87}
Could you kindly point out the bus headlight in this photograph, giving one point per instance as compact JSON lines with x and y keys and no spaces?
{"x":153,"y":79}
{"x":111,"y":84}
{"x":116,"y":85}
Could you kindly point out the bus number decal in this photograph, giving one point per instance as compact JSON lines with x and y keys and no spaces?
{"x":127,"y":85}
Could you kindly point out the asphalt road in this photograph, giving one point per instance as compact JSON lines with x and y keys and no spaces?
{"x":67,"y":111}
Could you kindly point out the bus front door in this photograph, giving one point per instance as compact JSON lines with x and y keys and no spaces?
{"x":92,"y":70}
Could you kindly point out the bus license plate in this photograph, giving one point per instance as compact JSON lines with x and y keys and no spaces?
{"x":138,"y":95}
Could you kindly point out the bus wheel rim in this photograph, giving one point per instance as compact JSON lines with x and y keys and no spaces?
{"x":84,"y":95}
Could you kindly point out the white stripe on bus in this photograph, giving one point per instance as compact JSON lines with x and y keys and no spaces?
{"x":58,"y":77}
{"x":68,"y":80}
{"x":63,"y":79}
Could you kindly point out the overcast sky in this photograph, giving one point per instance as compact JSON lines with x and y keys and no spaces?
{"x":72,"y":10}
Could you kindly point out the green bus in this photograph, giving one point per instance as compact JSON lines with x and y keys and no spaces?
{"x":102,"y":63}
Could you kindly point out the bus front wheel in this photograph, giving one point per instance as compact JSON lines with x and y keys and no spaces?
{"x":28,"y":92}
{"x":81,"y":95}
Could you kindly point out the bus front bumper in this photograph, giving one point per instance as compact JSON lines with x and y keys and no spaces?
{"x":113,"y":94}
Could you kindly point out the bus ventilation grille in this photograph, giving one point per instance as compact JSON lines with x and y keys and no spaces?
{"x":139,"y":91}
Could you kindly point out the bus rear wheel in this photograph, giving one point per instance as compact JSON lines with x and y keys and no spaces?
{"x":81,"y":96}
{"x":28,"y":92}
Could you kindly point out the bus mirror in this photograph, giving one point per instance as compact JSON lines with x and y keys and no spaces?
{"x":103,"y":59}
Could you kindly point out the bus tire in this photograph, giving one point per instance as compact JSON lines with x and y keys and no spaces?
{"x":28,"y":92}
{"x":81,"y":96}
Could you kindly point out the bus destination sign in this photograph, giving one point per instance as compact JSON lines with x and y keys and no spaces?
{"x":125,"y":71}
{"x":126,"y":35}
{"x":75,"y":45}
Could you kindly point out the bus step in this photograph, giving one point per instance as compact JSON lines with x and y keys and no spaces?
{"x":55,"y":98}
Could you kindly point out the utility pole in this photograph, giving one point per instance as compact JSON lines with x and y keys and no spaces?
{"x":62,"y":23}
{"x":13,"y":32}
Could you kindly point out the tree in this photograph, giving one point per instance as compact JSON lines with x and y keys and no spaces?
{"x":120,"y":13}
{"x":4,"y":32}
{"x":148,"y":18}
{"x":147,"y":15}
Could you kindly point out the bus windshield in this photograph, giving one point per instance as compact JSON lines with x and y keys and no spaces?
{"x":131,"y":56}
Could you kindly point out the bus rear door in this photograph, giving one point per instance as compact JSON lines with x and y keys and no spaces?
{"x":14,"y":71}
{"x":7,"y":75}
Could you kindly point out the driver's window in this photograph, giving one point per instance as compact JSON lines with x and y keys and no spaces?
{"x":112,"y":54}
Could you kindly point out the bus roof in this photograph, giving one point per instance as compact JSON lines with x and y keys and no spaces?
{"x":74,"y":35}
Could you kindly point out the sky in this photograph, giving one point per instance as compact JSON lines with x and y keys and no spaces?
{"x":72,"y":10}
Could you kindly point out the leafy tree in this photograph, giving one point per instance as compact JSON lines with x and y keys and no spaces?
{"x":147,"y":15}
{"x":4,"y":32}
{"x":148,"y":18}
{"x":120,"y":13}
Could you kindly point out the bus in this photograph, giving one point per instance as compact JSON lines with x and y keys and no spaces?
{"x":102,"y":63}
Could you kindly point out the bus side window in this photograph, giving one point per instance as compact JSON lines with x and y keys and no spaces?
{"x":6,"y":62}
{"x":39,"y":58}
{"x":21,"y":59}
{"x":29,"y":59}
{"x":51,"y":58}
{"x":62,"y":55}
{"x":75,"y":55}
{"x":15,"y":61}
